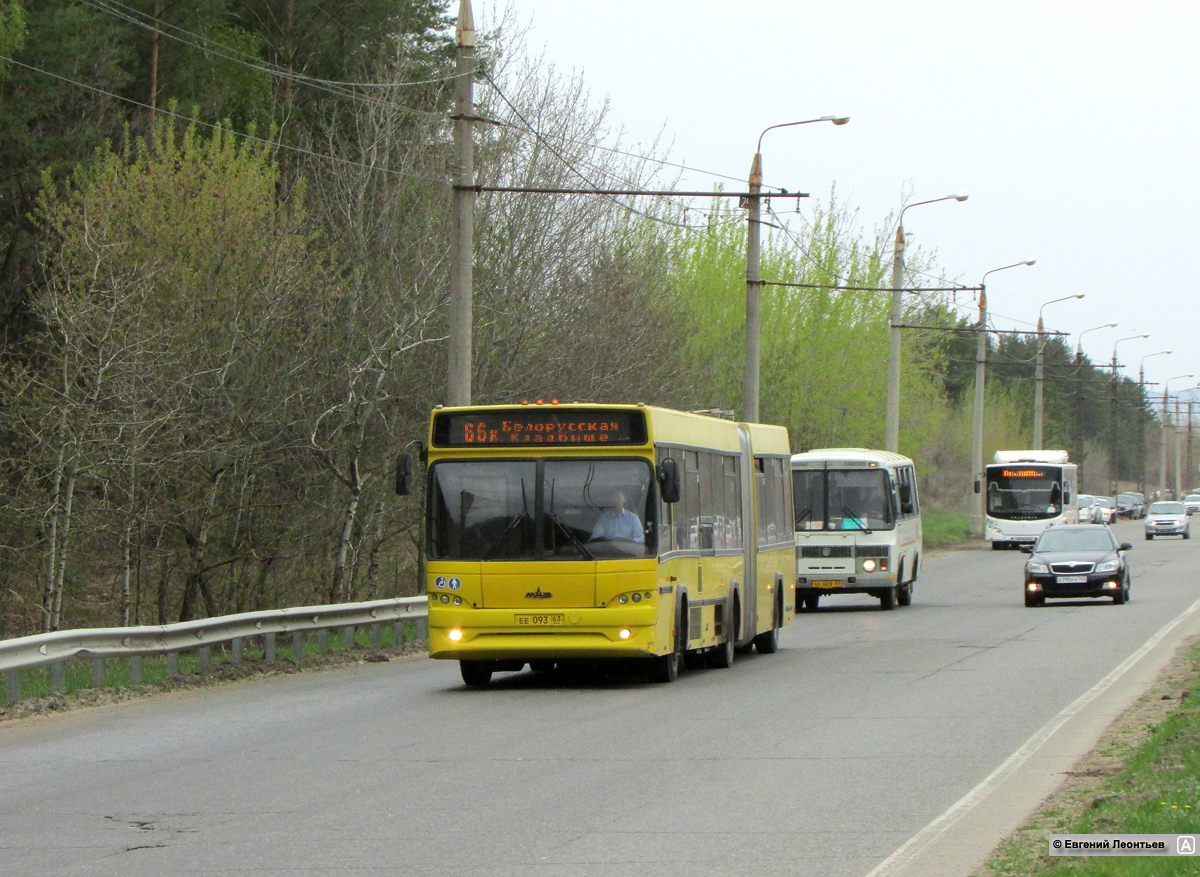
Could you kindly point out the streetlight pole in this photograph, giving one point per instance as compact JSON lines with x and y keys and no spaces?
{"x":750,"y":375}
{"x":1079,"y":398}
{"x":1040,"y":371}
{"x":1142,"y":418}
{"x":1113,"y":468}
{"x":892,"y":440}
{"x":977,"y":418}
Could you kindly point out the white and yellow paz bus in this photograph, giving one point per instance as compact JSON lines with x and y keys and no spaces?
{"x":558,"y":533}
{"x":858,"y":525}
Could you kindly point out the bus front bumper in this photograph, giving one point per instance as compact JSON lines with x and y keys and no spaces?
{"x":861,"y":583}
{"x":549,"y":634}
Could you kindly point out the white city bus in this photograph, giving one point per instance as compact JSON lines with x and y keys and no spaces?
{"x":858,"y":525}
{"x":1028,"y":491}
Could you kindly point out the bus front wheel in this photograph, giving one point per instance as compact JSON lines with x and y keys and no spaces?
{"x":887,"y":599}
{"x":477,"y":674}
{"x":665,"y":668}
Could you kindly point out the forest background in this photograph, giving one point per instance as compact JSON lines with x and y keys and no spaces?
{"x":224,"y":243}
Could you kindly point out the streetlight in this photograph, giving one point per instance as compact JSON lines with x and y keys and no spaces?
{"x":1114,"y":468}
{"x":1142,"y":417}
{"x":1040,"y":371}
{"x":1079,"y":397}
{"x":980,"y":377}
{"x":1163,"y":452}
{"x":753,"y":281}
{"x":892,"y":442}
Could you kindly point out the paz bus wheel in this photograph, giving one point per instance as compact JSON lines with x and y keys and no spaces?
{"x":887,"y":599}
{"x":477,"y":674}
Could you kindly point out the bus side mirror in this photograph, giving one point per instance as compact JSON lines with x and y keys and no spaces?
{"x":668,"y":480}
{"x":404,"y":474}
{"x":978,"y":486}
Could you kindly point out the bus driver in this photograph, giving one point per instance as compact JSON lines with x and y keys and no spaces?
{"x":617,"y":522}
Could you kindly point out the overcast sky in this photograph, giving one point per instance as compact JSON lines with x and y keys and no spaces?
{"x":1073,"y":126}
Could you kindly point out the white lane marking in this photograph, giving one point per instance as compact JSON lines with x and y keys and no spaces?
{"x":918,"y":843}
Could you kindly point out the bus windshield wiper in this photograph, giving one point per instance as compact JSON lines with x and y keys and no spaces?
{"x":512,"y":525}
{"x":575,"y":540}
{"x":803,"y":516}
{"x":862,"y":525}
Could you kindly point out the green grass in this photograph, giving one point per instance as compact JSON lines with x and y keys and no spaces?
{"x":1156,"y":790}
{"x":942,"y":527}
{"x":118,"y":671}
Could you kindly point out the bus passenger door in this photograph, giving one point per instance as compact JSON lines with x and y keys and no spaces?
{"x":749,"y":585}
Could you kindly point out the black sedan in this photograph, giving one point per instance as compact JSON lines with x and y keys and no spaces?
{"x":1076,"y":560}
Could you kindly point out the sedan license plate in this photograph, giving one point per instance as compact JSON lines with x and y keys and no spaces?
{"x":826,"y":583}
{"x":548,"y":620}
{"x":1072,"y":580}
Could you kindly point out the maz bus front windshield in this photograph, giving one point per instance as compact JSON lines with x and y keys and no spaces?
{"x":842,"y":499}
{"x":1024,"y":492}
{"x":541,"y":510}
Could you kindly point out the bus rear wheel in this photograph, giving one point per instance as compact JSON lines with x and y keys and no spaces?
{"x":810,"y":603}
{"x":477,"y":674}
{"x":767,"y":642}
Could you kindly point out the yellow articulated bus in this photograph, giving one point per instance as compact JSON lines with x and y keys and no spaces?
{"x":564,"y":533}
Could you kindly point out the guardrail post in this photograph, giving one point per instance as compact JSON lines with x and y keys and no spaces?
{"x":376,"y":635}
{"x":97,"y":672}
{"x":172,"y":664}
{"x":400,"y":631}
{"x":58,"y":676}
{"x":422,"y":629}
{"x":14,"y":685}
{"x":269,"y":648}
{"x":349,"y":632}
{"x":205,"y":657}
{"x":135,"y":669}
{"x":237,"y":650}
{"x":322,"y":641}
{"x":298,"y":646}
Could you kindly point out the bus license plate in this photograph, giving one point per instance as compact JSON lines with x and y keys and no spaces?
{"x":826,"y":583}
{"x":1072,"y":580}
{"x":539,"y":620}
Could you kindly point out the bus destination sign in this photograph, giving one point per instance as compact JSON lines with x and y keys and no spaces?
{"x":1029,"y":472}
{"x":539,"y":426}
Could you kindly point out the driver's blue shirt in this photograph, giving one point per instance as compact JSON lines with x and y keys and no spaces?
{"x":623,"y":525}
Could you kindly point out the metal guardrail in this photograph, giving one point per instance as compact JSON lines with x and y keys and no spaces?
{"x":55,"y":649}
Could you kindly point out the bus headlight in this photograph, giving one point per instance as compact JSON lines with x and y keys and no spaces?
{"x":868,"y":565}
{"x":625,"y":633}
{"x":637,"y":598}
{"x":622,"y":599}
{"x":454,"y":635}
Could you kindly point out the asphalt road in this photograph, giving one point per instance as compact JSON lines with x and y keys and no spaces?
{"x":820,"y":760}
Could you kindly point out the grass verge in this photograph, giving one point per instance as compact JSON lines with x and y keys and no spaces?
{"x":942,"y":527}
{"x":1142,"y":778}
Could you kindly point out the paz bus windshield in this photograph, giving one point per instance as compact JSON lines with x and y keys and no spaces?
{"x":560,"y":509}
{"x":842,"y":499}
{"x":1024,"y":492}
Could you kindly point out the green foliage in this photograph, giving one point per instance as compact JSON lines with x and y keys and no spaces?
{"x":12,"y":31}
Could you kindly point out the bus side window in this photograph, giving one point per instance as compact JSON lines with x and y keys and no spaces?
{"x":733,"y":502}
{"x":691,"y":500}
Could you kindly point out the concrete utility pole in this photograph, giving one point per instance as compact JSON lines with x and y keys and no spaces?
{"x":750,"y":370}
{"x":753,"y":203}
{"x":892,"y":429}
{"x":1040,"y":372}
{"x":977,"y":505}
{"x":1178,"y":454}
{"x":1162,"y":451}
{"x":1142,"y":418}
{"x":458,"y":370}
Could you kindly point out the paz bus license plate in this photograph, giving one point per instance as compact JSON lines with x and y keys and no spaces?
{"x":1072,"y":580}
{"x":540,"y":620}
{"x":826,"y":583}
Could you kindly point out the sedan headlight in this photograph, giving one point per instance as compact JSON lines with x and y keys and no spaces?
{"x":1037,"y":568}
{"x":1108,"y":566}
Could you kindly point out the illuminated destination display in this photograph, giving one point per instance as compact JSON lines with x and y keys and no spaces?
{"x":1030,"y":473}
{"x":539,"y":426}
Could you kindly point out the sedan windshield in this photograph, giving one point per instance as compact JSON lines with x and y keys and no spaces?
{"x":1086,"y":539}
{"x":530,"y":510}
{"x":1168,"y":508}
